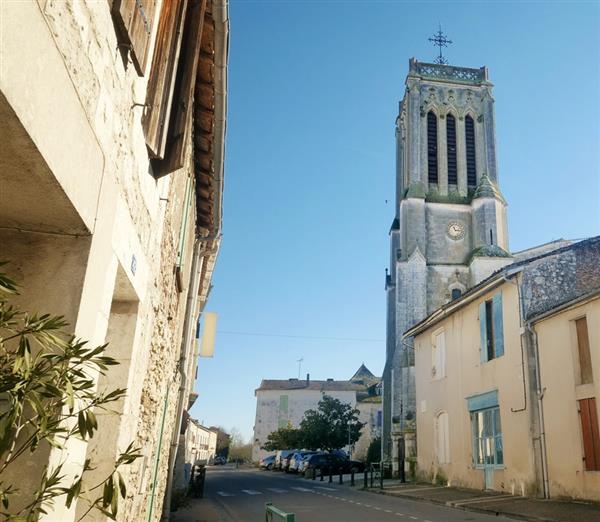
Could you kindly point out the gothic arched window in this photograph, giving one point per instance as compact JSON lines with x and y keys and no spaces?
{"x":432,"y":164}
{"x":451,"y":149}
{"x":470,"y":148}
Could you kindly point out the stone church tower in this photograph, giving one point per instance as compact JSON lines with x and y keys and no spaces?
{"x":449,"y":230}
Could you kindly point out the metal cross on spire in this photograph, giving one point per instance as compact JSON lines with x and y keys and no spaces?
{"x":440,"y":40}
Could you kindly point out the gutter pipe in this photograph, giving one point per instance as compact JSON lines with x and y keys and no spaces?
{"x":540,"y":397}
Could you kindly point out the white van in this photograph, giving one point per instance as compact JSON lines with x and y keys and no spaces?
{"x":280,"y":455}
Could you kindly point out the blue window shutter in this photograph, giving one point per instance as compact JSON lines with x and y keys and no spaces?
{"x":483,"y":330}
{"x":498,"y":324}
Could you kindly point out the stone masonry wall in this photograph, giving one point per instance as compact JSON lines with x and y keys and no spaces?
{"x":109,"y":89}
{"x":567,"y":274}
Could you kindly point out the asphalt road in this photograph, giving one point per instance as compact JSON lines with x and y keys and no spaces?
{"x":240,"y":495}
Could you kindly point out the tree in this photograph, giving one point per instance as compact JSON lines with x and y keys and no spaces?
{"x":284,"y":438}
{"x":333,"y":425}
{"x":48,"y":395}
{"x":223,"y":441}
{"x":374,"y":451}
{"x":239,"y":448}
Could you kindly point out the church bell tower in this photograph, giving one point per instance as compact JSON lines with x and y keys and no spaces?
{"x":449,"y":231}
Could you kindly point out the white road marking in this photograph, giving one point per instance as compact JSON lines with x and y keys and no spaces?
{"x":303,"y":490}
{"x":359,"y":503}
{"x":325,"y":489}
{"x":225,"y":494}
{"x":388,"y":510}
{"x":400,"y":514}
{"x":414,"y":518}
{"x":377,"y":508}
{"x":277,"y":490}
{"x":251,"y":492}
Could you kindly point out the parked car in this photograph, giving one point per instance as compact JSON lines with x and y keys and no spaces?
{"x":322,"y":461}
{"x":333,"y":462}
{"x":219,"y":460}
{"x":279,"y":456}
{"x":285,"y":462}
{"x":297,"y":459}
{"x":267,"y":462}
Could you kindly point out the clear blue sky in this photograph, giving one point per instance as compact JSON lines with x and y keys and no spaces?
{"x":313,"y":94}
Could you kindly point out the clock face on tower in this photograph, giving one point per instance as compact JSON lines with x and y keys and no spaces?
{"x":455,"y":230}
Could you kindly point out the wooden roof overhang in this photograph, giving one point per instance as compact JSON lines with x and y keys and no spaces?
{"x":209,"y":119}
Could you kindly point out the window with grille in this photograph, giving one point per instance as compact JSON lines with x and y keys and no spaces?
{"x":470,"y":149}
{"x":432,"y":163}
{"x":451,"y":149}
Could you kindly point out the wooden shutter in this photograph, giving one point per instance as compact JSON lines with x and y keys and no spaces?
{"x":583,"y":347}
{"x":483,"y":332}
{"x":161,"y":82}
{"x":183,"y":97}
{"x":133,"y":19}
{"x":589,"y":430}
{"x":498,"y":325}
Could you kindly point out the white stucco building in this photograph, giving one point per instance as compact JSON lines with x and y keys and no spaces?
{"x":283,"y":402}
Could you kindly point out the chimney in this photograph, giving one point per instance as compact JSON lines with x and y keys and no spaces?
{"x":307,"y":380}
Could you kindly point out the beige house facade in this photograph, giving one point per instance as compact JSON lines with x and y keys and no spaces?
{"x":111,"y":175}
{"x":507,"y":380}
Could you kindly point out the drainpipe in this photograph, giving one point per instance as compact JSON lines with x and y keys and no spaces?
{"x":540,"y":398}
{"x":184,"y":357}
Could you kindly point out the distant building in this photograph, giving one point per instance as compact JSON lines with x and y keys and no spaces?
{"x":508,"y":379}
{"x":281,"y":403}
{"x":197,"y":445}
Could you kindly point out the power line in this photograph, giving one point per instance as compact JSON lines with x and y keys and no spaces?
{"x":314,"y":338}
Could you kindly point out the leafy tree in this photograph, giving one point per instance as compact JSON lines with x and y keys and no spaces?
{"x":48,"y":395}
{"x":374,"y":451}
{"x":223,"y":441}
{"x":284,"y":438}
{"x":333,"y":425}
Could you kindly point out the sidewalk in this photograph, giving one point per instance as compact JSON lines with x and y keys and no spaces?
{"x":520,"y":508}
{"x":197,"y":510}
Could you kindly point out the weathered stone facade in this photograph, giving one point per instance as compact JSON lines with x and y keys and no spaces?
{"x":92,"y":234}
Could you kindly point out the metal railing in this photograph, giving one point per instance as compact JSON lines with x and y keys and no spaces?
{"x":271,"y":510}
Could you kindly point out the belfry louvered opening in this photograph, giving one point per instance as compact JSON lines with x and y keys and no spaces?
{"x":432,"y":163}
{"x":470,"y":149}
{"x":451,"y":149}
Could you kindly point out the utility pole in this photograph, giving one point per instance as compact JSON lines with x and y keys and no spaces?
{"x":299,"y":361}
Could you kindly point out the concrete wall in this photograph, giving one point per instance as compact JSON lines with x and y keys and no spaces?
{"x":465,"y":376}
{"x":368,"y":415}
{"x":559,"y":369}
{"x":299,"y":401}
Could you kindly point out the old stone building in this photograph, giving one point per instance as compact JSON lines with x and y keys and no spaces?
{"x":111,"y":175}
{"x":449,"y":231}
{"x":507,"y":379}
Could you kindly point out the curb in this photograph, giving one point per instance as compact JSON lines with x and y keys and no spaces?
{"x":450,"y":503}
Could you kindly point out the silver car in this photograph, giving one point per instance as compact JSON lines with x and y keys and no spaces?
{"x":297,"y":458}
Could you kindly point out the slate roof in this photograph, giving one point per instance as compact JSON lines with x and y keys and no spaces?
{"x":300,"y":384}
